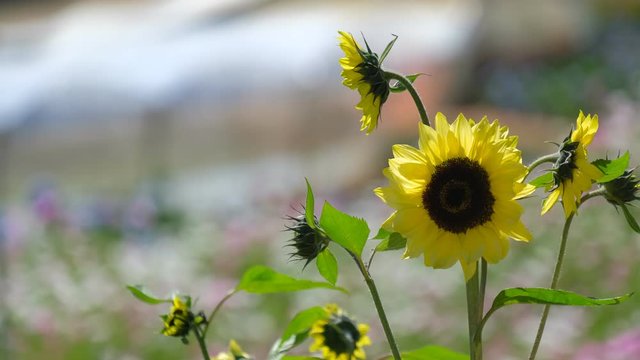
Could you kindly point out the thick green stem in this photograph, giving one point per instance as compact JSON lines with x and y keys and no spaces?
{"x":378,"y":303}
{"x":474,"y":314}
{"x":558,"y":268}
{"x":201,"y":343}
{"x":216,"y":309}
{"x":414,"y":94}
{"x":551,"y":158}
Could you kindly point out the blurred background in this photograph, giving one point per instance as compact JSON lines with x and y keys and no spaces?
{"x":164,"y":142}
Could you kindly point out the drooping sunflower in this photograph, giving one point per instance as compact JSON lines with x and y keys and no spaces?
{"x":455,"y":196}
{"x":573,"y":174}
{"x":361,"y":70}
{"x":338,"y":336}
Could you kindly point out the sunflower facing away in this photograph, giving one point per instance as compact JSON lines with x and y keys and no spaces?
{"x":338,"y":336}
{"x":572,"y":172}
{"x":455,"y":195}
{"x":361,"y":70}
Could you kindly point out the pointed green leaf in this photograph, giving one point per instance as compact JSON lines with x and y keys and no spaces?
{"x":398,"y":87}
{"x":612,"y":169}
{"x":309,"y":207}
{"x":630,"y":219}
{"x":395,"y":241}
{"x":382,"y":234}
{"x":142,"y":295}
{"x":264,"y":280}
{"x":281,"y":347}
{"x":542,"y":180}
{"x":551,"y":297}
{"x":433,"y":352}
{"x":303,"y":321}
{"x":327,"y":266}
{"x":388,"y":48}
{"x":348,"y":231}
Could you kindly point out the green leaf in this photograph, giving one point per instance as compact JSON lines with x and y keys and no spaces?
{"x":327,"y":266}
{"x":303,"y":321}
{"x":264,"y":280}
{"x":309,"y":206}
{"x":281,"y":347}
{"x":612,"y":169}
{"x":348,"y":231}
{"x":140,"y":294}
{"x":551,"y":297}
{"x":630,"y":219}
{"x":398,"y":87}
{"x":382,"y":234}
{"x":388,"y":49}
{"x":433,"y":352}
{"x":542,"y":180}
{"x":395,"y":241}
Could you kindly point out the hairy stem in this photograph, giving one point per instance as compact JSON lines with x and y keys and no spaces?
{"x":414,"y":94}
{"x":201,"y":343}
{"x":474,"y":314}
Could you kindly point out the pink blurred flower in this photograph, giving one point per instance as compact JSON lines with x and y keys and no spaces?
{"x":622,"y":347}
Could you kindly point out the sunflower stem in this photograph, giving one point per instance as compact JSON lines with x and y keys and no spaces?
{"x":201,"y":343}
{"x":378,"y":303}
{"x":474,"y":314}
{"x":216,"y":309}
{"x":414,"y":94}
{"x":551,"y":158}
{"x":558,"y":268}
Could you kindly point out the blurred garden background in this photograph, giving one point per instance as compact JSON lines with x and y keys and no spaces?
{"x":164,"y":142}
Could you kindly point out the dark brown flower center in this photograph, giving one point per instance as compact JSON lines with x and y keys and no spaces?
{"x":458,"y":197}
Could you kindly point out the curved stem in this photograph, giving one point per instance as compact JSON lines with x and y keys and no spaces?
{"x":558,"y":268}
{"x":378,"y":303}
{"x":474,"y":316}
{"x":216,"y":309}
{"x":551,"y":158}
{"x":414,"y":94}
{"x":201,"y":343}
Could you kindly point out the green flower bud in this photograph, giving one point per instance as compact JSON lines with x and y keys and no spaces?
{"x":307,"y":241}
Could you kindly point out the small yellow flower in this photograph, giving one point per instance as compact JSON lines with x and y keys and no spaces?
{"x":455,"y":196}
{"x":338,"y":336}
{"x":235,"y":353}
{"x":573,"y":174}
{"x":178,"y":322}
{"x":361,"y":70}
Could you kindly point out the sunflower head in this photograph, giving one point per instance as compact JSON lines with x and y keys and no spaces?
{"x":307,"y":241}
{"x":180,"y":319}
{"x":338,"y":336}
{"x":361,"y":70}
{"x":573,"y":174}
{"x":455,"y":196}
{"x":235,"y":353}
{"x":623,"y":189}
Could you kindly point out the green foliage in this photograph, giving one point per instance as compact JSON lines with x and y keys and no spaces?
{"x":348,"y":231}
{"x":398,"y":87}
{"x":142,"y":295}
{"x":612,"y":169}
{"x":433,"y":352}
{"x":551,"y":297}
{"x":388,"y":48}
{"x":309,"y":207}
{"x":542,"y":180}
{"x":327,"y":266}
{"x":393,"y":241}
{"x":630,"y":219}
{"x":264,"y":280}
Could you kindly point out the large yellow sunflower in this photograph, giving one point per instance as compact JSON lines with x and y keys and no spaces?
{"x":573,"y":174}
{"x":455,"y":195}
{"x":338,"y":336}
{"x":361,"y":70}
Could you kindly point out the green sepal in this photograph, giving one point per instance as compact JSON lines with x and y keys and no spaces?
{"x":612,"y":169}
{"x":327,"y":266}
{"x":388,"y":49}
{"x":550,"y":297}
{"x":264,"y":280}
{"x":542,"y":180}
{"x":398,"y":87}
{"x":142,"y":295}
{"x":394,"y":241}
{"x":303,"y":321}
{"x":309,"y":207}
{"x":630,"y":219}
{"x":349,"y":232}
{"x":433,"y":352}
